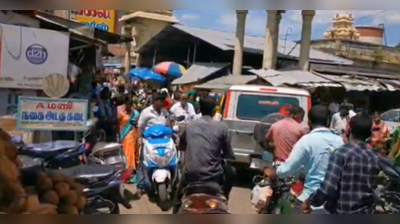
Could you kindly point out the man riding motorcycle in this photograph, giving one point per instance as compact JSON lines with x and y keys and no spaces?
{"x":206,"y":144}
{"x":183,"y":108}
{"x":311,"y":153}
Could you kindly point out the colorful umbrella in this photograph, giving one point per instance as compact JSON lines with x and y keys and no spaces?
{"x":147,"y":74}
{"x":170,"y":69}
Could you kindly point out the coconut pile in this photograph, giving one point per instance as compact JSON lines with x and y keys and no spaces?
{"x":51,"y":194}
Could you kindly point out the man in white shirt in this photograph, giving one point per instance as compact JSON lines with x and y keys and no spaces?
{"x":183,"y":108}
{"x":333,"y":107}
{"x":340,"y":120}
{"x":154,"y":114}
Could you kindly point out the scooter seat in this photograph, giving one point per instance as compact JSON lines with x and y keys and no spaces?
{"x":99,"y":172}
{"x":210,"y":188}
{"x":102,"y":147}
{"x":49,"y":149}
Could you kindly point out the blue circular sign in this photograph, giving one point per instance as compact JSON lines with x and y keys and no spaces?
{"x":36,"y":54}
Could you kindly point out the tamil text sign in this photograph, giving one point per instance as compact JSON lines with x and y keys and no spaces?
{"x":27,"y":55}
{"x":37,"y":113}
{"x":99,"y":19}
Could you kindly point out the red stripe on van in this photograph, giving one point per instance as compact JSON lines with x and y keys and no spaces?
{"x":227,"y":104}
{"x":309,"y":103}
{"x":268,"y":90}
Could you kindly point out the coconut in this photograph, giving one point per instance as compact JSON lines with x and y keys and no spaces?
{"x":32,"y":203}
{"x":17,"y":206}
{"x":68,"y":210}
{"x":79,"y":189}
{"x":71,"y":199}
{"x":62,"y":189}
{"x":81,"y":203}
{"x":44,"y":184}
{"x":57,"y":178}
{"x":50,"y":197}
{"x":8,"y":170}
{"x":4,"y":136}
{"x":30,"y":190}
{"x":11,"y":151}
{"x":45,"y":209}
{"x":70,"y":181}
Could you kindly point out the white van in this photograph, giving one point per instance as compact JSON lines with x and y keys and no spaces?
{"x":245,"y":105}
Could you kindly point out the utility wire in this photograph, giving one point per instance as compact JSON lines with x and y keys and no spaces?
{"x":371,"y":15}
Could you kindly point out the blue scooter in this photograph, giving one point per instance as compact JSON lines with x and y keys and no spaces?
{"x":159,"y":163}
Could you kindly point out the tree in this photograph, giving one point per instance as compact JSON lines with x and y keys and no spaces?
{"x":398,"y":46}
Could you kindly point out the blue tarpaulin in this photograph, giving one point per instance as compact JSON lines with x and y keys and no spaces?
{"x":147,"y":74}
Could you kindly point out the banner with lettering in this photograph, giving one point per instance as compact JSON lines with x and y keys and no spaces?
{"x":38,"y":113}
{"x":27,"y":55}
{"x":99,"y":19}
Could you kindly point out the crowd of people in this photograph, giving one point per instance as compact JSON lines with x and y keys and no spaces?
{"x":339,"y":157}
{"x":336,"y":152}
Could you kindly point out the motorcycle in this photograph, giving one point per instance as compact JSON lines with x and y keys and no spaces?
{"x":160,"y":163}
{"x":104,"y":153}
{"x":387,"y":194}
{"x":104,"y":184}
{"x":203,"y":198}
{"x":65,"y":154}
{"x":178,"y":128}
{"x":284,"y":194}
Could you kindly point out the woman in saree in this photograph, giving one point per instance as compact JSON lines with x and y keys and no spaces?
{"x":128,"y":117}
{"x":380,"y":134}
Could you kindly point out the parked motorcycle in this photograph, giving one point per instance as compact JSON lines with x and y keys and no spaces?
{"x":388,"y":190}
{"x":204,"y":198}
{"x":160,"y":163}
{"x":105,"y":189}
{"x":65,"y":154}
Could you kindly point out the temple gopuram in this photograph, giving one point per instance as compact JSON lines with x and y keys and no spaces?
{"x":342,"y":28}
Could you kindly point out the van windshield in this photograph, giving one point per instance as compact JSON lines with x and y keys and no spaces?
{"x":255,"y":107}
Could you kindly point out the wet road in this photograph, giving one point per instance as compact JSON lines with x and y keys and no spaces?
{"x":239,"y":202}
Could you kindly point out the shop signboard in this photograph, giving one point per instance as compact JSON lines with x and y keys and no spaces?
{"x":27,"y":55}
{"x":99,"y":19}
{"x":39,"y":113}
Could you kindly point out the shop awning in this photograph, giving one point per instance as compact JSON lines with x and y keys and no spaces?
{"x":78,"y":28}
{"x":227,"y":81}
{"x":294,"y":78}
{"x":391,"y":85}
{"x":198,"y":72}
{"x":355,"y":84}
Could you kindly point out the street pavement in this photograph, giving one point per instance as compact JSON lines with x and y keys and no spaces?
{"x":239,"y":202}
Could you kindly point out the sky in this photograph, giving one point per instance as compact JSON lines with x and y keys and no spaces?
{"x":225,"y":20}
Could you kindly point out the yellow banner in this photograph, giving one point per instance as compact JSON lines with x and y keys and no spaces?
{"x":99,"y":19}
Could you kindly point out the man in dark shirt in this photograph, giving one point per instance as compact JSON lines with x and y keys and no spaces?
{"x":352,"y":172}
{"x":207,"y":144}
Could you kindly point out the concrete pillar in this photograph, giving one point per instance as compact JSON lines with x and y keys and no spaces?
{"x":128,"y":48}
{"x":239,"y":41}
{"x":270,"y":37}
{"x":138,"y":60}
{"x":305,"y":42}
{"x":276,"y":40}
